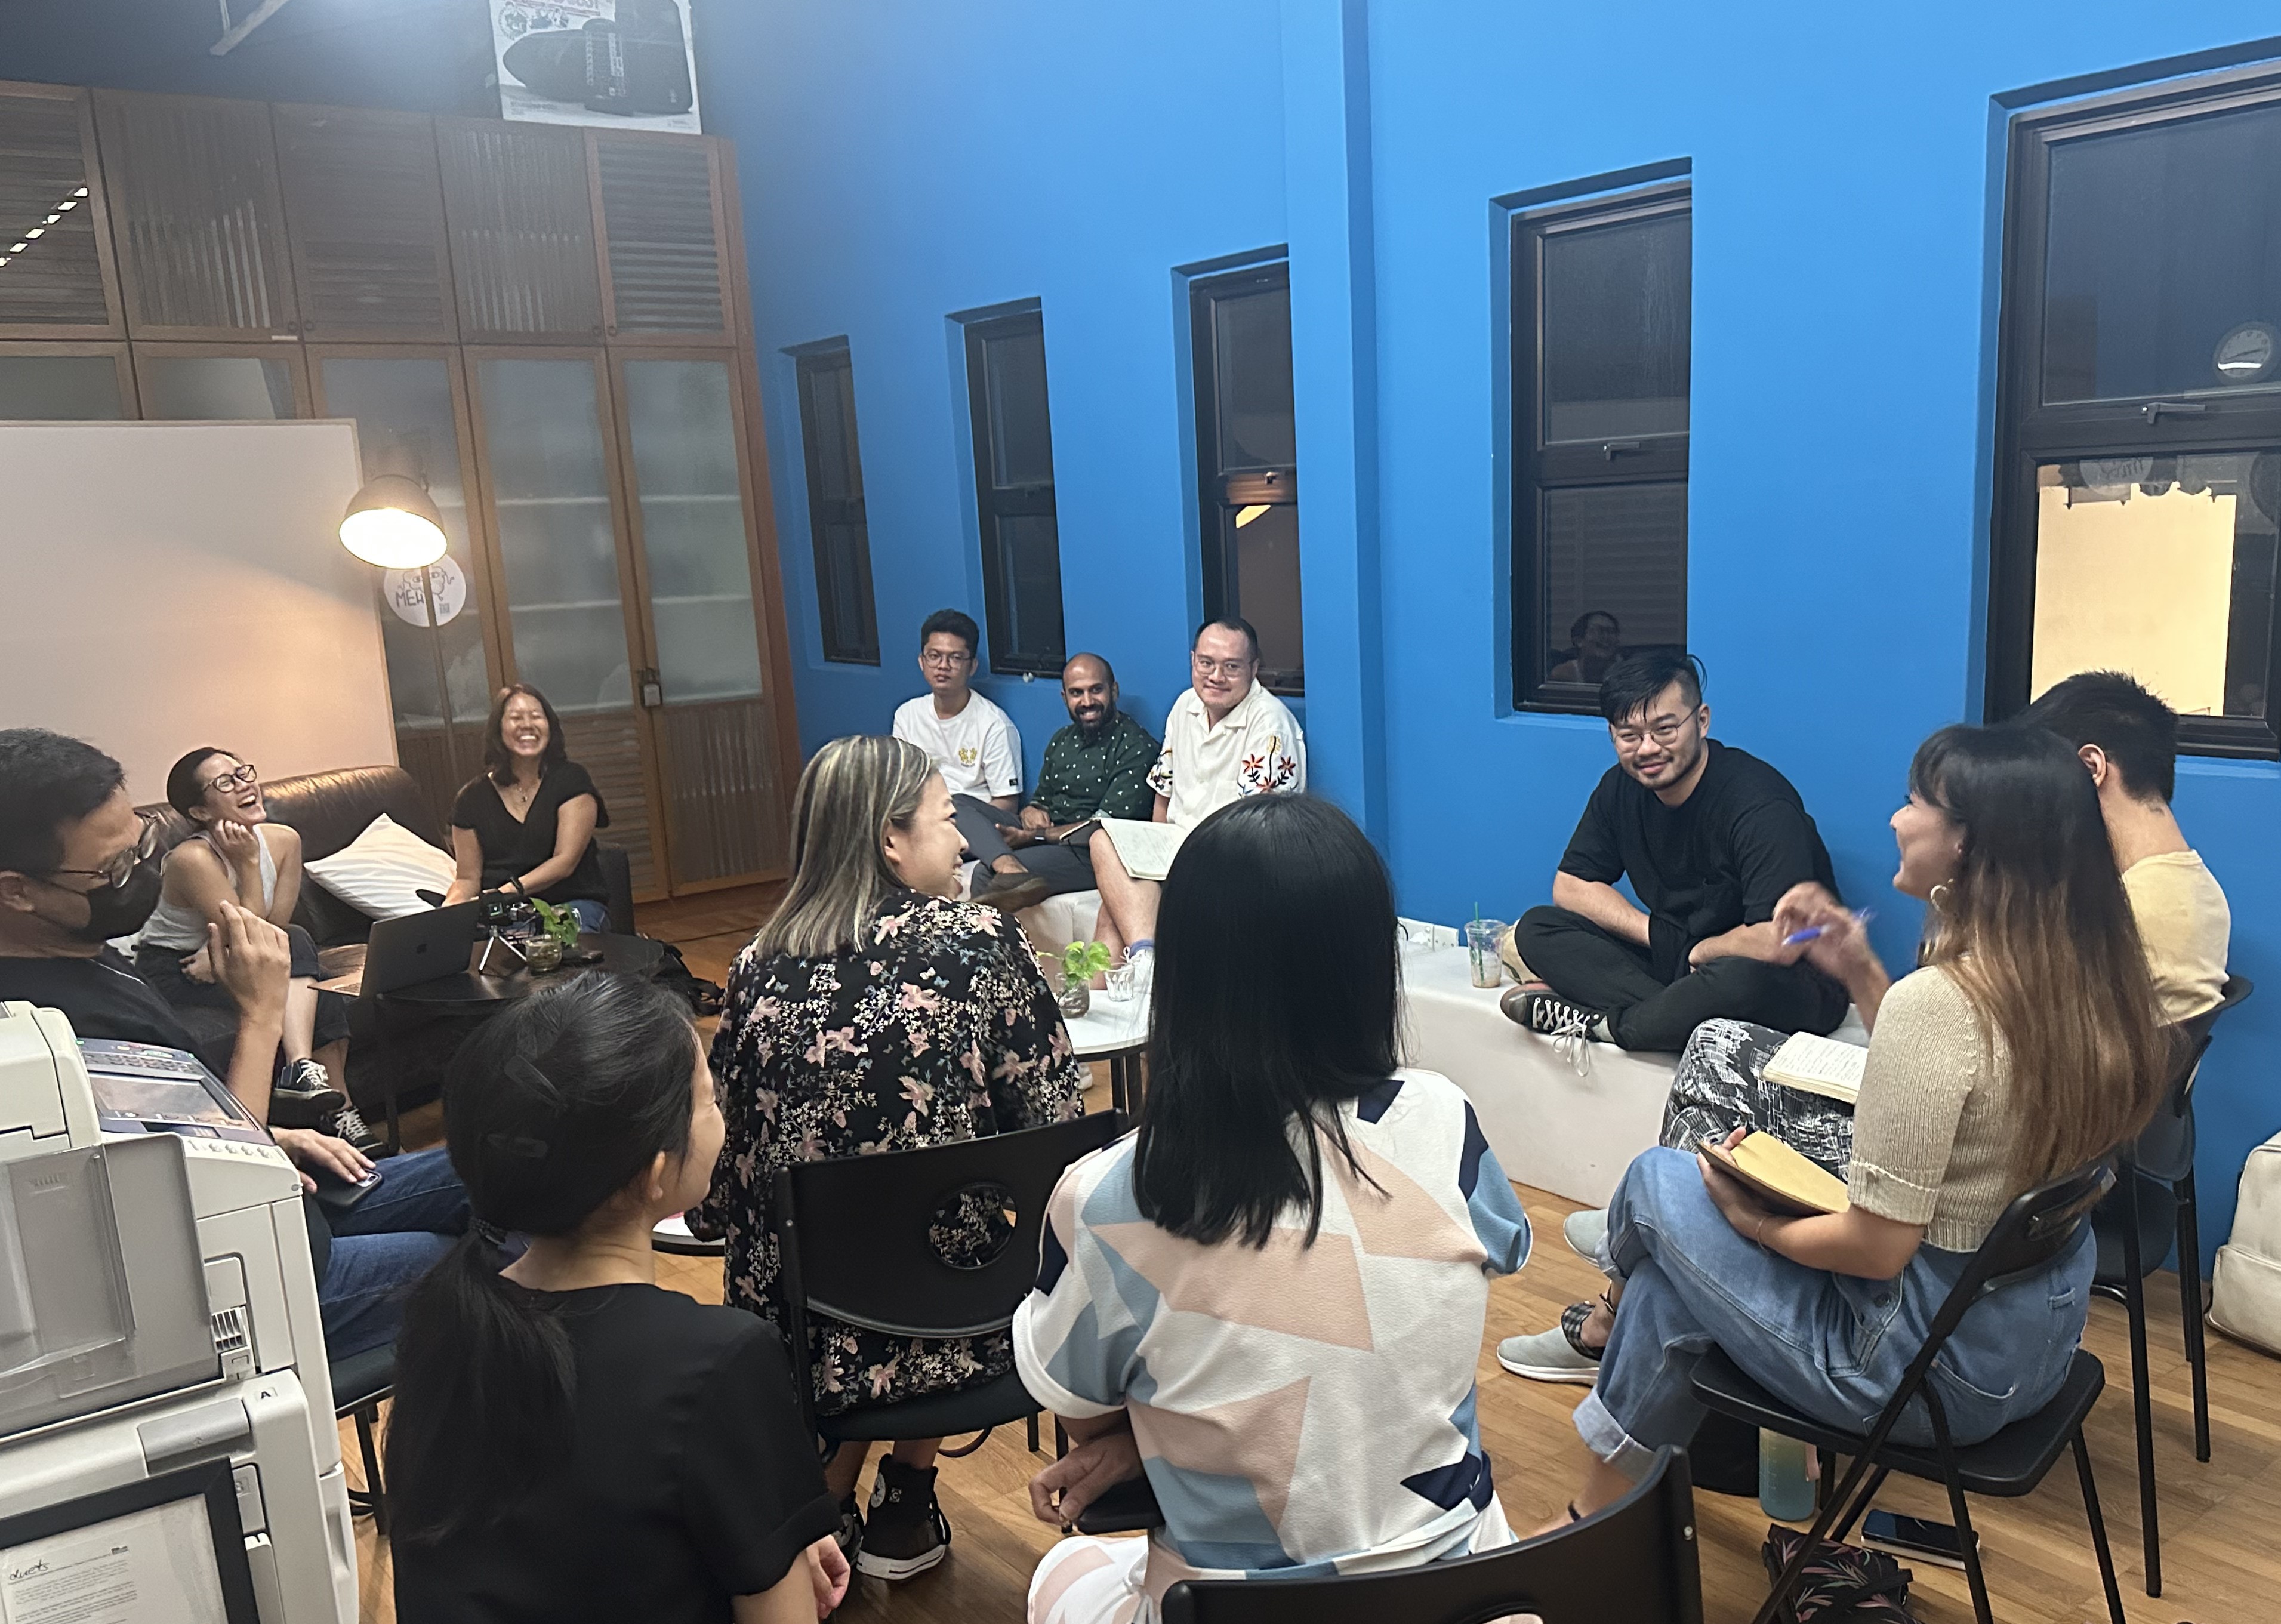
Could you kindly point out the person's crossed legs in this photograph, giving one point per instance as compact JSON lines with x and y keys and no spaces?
{"x":1129,"y":905}
{"x":381,"y":1245}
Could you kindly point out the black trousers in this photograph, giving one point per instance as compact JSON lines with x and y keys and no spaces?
{"x":1590,"y":968}
{"x":1063,"y":868}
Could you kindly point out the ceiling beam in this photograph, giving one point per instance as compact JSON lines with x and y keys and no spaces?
{"x":235,"y":36}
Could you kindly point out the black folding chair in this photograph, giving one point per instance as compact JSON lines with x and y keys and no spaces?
{"x":1635,"y":1560}
{"x":360,"y":1383}
{"x":2154,"y":1203}
{"x":854,"y":1242}
{"x":2035,"y":1230}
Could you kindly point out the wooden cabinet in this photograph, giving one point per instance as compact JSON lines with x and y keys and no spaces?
{"x":57,"y":278}
{"x":364,"y":208}
{"x":197,"y":215}
{"x":545,"y":324}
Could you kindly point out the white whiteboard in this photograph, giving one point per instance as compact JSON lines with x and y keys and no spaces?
{"x":167,"y":585}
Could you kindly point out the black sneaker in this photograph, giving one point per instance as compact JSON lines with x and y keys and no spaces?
{"x":850,"y":1536}
{"x":304,"y":1096}
{"x":906,"y":1533}
{"x":1569,"y":1026}
{"x":348,"y":1124}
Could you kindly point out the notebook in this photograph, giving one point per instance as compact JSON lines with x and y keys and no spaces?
{"x":1145,"y":849}
{"x":1780,"y":1175}
{"x":1819,"y":1065}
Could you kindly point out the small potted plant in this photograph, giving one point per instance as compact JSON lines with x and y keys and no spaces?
{"x":557,"y":935}
{"x":1080,"y":963}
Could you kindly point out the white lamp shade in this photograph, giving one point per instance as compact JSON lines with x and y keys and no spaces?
{"x":393,"y":522}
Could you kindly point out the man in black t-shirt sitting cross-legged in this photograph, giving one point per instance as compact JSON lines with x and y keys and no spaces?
{"x":1710,"y":837}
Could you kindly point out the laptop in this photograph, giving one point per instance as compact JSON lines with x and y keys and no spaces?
{"x":421,"y":946}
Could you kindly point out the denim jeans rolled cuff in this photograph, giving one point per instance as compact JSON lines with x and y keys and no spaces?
{"x":1609,"y":1441}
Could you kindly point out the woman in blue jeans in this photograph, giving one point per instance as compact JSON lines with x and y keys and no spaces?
{"x":2026,"y":1046}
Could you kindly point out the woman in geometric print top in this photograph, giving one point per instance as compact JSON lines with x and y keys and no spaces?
{"x":1269,"y":1297}
{"x":873,"y":1012}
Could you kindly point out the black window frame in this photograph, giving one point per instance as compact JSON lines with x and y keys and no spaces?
{"x":1218,"y":488}
{"x":2029,"y":432}
{"x":842,"y":645}
{"x":995,"y":503}
{"x":1539,"y":468}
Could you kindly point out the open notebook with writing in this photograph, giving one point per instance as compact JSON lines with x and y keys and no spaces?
{"x":1819,"y":1065}
{"x":1145,"y":849}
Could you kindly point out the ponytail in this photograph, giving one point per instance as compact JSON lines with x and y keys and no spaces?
{"x":480,"y":1361}
{"x":551,"y":1109}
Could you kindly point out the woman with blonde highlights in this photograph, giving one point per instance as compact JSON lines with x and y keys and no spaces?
{"x":2026,"y":1046}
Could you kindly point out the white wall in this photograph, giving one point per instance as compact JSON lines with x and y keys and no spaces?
{"x":167,"y":585}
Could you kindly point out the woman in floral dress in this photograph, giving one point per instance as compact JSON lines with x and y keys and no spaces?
{"x":874,"y":1012}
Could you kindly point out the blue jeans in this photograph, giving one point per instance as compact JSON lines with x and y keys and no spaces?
{"x":382,"y":1244}
{"x":592,"y":916}
{"x":1829,"y":1345}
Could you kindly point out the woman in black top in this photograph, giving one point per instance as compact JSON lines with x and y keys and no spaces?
{"x":526,"y":827}
{"x":569,"y":1442}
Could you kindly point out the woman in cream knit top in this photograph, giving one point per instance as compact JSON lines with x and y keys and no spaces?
{"x":2027,"y":1047}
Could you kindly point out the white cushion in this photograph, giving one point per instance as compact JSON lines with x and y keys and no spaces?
{"x":377,"y":872}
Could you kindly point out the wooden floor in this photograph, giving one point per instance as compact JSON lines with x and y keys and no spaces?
{"x":2221,"y":1522}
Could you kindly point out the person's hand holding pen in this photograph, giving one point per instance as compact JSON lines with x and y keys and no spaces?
{"x":1815,"y":927}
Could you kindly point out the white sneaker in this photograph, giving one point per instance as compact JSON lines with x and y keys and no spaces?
{"x":1554,"y":1355}
{"x":1585,"y":1231}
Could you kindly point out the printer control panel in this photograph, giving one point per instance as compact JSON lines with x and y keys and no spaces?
{"x":140,"y":1088}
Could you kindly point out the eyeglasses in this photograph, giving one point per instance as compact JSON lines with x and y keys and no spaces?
{"x":245,"y":777}
{"x":1663,"y":729}
{"x":121,"y":869}
{"x":1229,"y":669}
{"x":935,"y":656}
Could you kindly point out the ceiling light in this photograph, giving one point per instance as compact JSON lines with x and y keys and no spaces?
{"x":81,"y":192}
{"x":393,"y":522}
{"x":1245,"y":515}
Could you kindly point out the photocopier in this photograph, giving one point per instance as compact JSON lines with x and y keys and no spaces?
{"x":167,"y":1445}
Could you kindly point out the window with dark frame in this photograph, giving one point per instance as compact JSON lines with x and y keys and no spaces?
{"x":835,"y":507}
{"x":1247,"y":461}
{"x":1600,"y":332}
{"x":1013,"y":493}
{"x":2138,"y":405}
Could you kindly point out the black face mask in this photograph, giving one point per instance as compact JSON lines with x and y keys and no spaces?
{"x":119,"y":910}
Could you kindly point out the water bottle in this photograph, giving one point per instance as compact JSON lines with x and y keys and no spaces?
{"x":1785,"y":1486}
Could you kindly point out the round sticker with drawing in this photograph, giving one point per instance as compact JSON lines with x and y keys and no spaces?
{"x":407,"y":596}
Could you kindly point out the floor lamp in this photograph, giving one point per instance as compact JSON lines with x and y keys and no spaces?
{"x":392,"y":522}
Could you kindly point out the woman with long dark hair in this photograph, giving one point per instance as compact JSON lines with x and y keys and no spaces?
{"x":1280,"y":1279}
{"x":525,"y":827}
{"x":874,"y":1011}
{"x":569,"y":1442}
{"x":2026,"y":1046}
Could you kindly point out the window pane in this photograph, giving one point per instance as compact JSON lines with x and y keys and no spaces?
{"x":1030,"y":577}
{"x":692,"y":517}
{"x":2162,"y":567}
{"x":1253,"y":340}
{"x":1021,"y":438}
{"x":2162,"y":273}
{"x":835,"y":509}
{"x":827,"y":428}
{"x":406,"y":425}
{"x":243,"y":387}
{"x":37,"y":388}
{"x":543,"y":428}
{"x":1615,"y":550}
{"x":1616,"y":324}
{"x":1266,"y":556}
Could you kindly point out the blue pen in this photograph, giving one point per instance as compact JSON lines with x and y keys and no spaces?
{"x":1814,"y":932}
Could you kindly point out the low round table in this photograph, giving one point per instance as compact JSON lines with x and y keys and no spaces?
{"x":1117,"y":1033}
{"x":482,"y":994}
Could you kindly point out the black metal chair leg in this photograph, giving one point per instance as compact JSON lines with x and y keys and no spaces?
{"x":1860,"y":1506}
{"x":1033,"y":1425}
{"x":1967,"y":1541}
{"x":371,"y":1483}
{"x":2142,"y":1405}
{"x":2098,"y":1530}
{"x":2189,"y":1308}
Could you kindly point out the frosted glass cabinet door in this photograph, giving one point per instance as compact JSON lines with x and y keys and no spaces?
{"x":716,"y":736}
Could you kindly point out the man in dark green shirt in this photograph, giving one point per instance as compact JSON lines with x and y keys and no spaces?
{"x":1096,"y":767}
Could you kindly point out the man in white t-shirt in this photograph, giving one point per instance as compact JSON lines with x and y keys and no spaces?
{"x":1226,"y":737}
{"x":973,"y":743}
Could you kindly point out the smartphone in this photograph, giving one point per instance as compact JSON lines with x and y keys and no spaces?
{"x":339,"y":1195}
{"x":1913,"y":1537}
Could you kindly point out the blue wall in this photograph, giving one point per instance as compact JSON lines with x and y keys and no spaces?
{"x":901,"y":164}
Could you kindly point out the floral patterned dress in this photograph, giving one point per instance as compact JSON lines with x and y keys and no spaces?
{"x":941,"y":1029}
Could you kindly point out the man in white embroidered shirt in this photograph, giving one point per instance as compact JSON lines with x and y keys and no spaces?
{"x":1226,"y":737}
{"x":973,"y":743}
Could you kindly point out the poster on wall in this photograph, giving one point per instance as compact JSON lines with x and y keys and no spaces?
{"x":628,"y":64}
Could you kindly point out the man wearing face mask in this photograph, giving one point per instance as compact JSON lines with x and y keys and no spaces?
{"x":78,"y":868}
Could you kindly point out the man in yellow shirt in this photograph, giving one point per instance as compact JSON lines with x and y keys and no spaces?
{"x":2129,"y":740}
